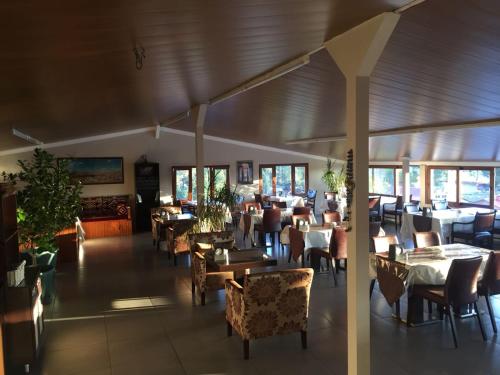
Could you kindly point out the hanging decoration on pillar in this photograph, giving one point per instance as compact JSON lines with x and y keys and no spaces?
{"x":140,"y":54}
{"x":349,"y":183}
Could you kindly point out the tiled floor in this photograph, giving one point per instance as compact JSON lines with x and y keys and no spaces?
{"x":126,"y":310}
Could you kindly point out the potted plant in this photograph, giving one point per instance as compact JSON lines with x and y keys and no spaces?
{"x":212,"y":212}
{"x":48,"y":201}
{"x":334,"y":180}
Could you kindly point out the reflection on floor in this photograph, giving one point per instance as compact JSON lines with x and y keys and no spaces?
{"x":126,"y":310}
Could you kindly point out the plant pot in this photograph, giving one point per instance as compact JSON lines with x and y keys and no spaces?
{"x":331,"y":196}
{"x":68,"y":247}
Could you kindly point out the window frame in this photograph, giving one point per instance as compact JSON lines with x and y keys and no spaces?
{"x":293,"y":166}
{"x":189,"y":168}
{"x":457,"y":202}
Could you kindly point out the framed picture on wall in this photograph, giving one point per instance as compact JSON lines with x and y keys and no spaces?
{"x":245,"y":171}
{"x":96,"y":171}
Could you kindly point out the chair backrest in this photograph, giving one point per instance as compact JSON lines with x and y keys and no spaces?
{"x":331,"y":217}
{"x":258,"y":199}
{"x":422,"y":223}
{"x":247,"y":205}
{"x":172,"y":210}
{"x":271,"y":220}
{"x":311,"y":194}
{"x":491,"y":274}
{"x":279,"y":205}
{"x":439,"y":204}
{"x":399,"y":202}
{"x":461,"y":283}
{"x":280,"y":294}
{"x":296,"y":243}
{"x":381,"y":243}
{"x":412,"y":208}
{"x":484,"y":222}
{"x":338,"y":243}
{"x":199,"y":269}
{"x":305,"y":218}
{"x":426,"y":239}
{"x":374,"y":203}
{"x":223,"y":239}
{"x":301,"y":210}
{"x":247,"y":223}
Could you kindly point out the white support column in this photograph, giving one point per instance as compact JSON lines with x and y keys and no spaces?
{"x":406,"y":179}
{"x":199,"y":113}
{"x":356,"y":52}
{"x":423,"y":184}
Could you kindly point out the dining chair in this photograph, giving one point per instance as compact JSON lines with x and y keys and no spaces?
{"x":394,"y":209}
{"x":279,"y":205}
{"x":271,"y":223}
{"x":297,"y":218}
{"x":496,"y":225}
{"x":302,"y":211}
{"x":311,"y":199}
{"x":460,"y":289}
{"x":247,"y":205}
{"x":268,"y":304}
{"x":331,"y":217}
{"x":477,"y":232}
{"x":335,"y":252}
{"x":426,"y":239}
{"x":422,"y":223}
{"x":258,"y":199}
{"x":374,"y":208}
{"x":247,"y":223}
{"x":411,"y":208}
{"x":297,"y":245}
{"x":381,"y":243}
{"x":373,"y":231}
{"x":439,"y":204}
{"x":204,"y":280}
{"x":489,"y":285}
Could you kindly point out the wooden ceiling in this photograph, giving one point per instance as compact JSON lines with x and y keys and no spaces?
{"x":68,"y":71}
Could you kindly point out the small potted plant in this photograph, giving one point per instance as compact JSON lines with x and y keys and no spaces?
{"x":334,"y":181}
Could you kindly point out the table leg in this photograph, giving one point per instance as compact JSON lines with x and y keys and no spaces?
{"x":415,"y":314}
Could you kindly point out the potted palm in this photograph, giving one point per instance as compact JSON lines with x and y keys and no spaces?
{"x":334,"y":181}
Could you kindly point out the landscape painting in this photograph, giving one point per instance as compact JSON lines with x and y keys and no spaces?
{"x":94,"y":171}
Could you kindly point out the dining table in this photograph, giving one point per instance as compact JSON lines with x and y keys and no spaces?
{"x":180,"y":220}
{"x":440,"y":222}
{"x":291,"y":200}
{"x":421,"y":266}
{"x":315,"y":235}
{"x":243,"y":259}
{"x":257,"y":218}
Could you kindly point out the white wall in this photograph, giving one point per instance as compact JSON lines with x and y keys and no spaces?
{"x":171,"y":150}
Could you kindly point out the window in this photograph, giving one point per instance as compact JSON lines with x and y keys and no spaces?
{"x":475,"y":187}
{"x":283,"y":179}
{"x":184,"y":181}
{"x":497,"y":188}
{"x":443,"y":184}
{"x":389,"y":181}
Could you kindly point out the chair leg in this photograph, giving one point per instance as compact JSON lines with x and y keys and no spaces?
{"x":449,"y":314}
{"x":289,"y":254}
{"x":229,"y":329}
{"x":303,"y":337}
{"x":246,"y":349}
{"x":372,"y":285}
{"x":398,"y":309}
{"x":492,"y":313}
{"x":175,"y":260}
{"x":193,"y":288}
{"x":429,"y":307}
{"x":203,"y":298}
{"x":480,"y":322}
{"x":334,"y":272}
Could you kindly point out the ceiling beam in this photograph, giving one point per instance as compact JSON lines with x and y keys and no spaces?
{"x":406,"y":130}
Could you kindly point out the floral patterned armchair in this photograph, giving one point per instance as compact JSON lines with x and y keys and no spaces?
{"x":271,"y":303}
{"x":204,"y":280}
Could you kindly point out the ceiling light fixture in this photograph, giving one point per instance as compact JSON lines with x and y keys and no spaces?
{"x":140,"y":54}
{"x":26,"y":137}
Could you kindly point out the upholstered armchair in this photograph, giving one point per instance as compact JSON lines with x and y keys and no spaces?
{"x":177,"y":238}
{"x":204,"y":280}
{"x":268,"y":304}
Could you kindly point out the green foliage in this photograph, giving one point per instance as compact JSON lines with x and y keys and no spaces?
{"x":212,"y":211}
{"x":333,"y":180}
{"x":48,"y":201}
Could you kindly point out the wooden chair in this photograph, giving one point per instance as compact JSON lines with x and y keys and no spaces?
{"x":247,"y":223}
{"x":296,"y":218}
{"x":331,"y":217}
{"x":459,"y":290}
{"x":381,"y":243}
{"x":393,"y":209}
{"x":411,"y":208}
{"x":426,"y":239}
{"x":422,"y":223}
{"x":302,"y":211}
{"x":439,"y":204}
{"x":336,"y":252}
{"x":248,"y":308}
{"x":311,"y":199}
{"x":490,"y":283}
{"x":297,"y":245}
{"x":271,"y":223}
{"x":479,"y":231}
{"x":374,"y":208}
{"x":204,"y":280}
{"x":280,"y":205}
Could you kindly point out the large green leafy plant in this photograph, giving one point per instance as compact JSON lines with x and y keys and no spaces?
{"x":212,"y":211}
{"x":48,"y":200}
{"x":334,"y":180}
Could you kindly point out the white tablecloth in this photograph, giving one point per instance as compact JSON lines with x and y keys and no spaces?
{"x":291,"y":201}
{"x":441,"y":222}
